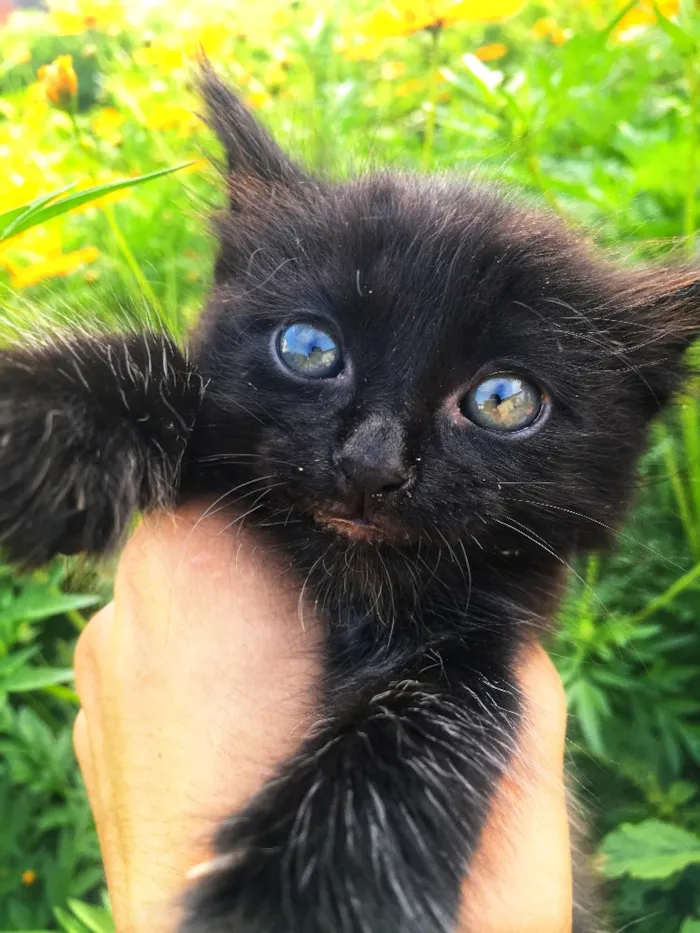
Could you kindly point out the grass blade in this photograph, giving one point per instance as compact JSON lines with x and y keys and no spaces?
{"x":50,"y":207}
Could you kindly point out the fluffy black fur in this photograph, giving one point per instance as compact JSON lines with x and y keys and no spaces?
{"x":430,"y":284}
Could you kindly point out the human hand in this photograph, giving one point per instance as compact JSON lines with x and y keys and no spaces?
{"x":198,"y":680}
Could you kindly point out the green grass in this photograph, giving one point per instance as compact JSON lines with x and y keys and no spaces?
{"x":602,"y":127}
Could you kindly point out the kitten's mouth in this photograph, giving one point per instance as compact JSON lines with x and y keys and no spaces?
{"x":358,"y":529}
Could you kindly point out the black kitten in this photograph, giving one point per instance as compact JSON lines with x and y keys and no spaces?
{"x":433,"y":398}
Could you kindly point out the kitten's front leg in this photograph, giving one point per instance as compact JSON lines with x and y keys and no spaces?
{"x":371,"y":827}
{"x":92,"y":428}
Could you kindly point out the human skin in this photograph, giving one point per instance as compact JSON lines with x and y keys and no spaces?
{"x":203,"y":675}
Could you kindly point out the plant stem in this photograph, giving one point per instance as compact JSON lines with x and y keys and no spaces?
{"x":133,"y":265}
{"x":673,"y":472}
{"x":429,"y":133}
{"x":682,"y":583}
{"x":690,"y":207}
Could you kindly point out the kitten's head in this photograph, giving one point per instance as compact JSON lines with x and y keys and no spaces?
{"x":404,"y":359}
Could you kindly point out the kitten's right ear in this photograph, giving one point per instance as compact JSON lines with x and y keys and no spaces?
{"x":91,"y":430}
{"x":252,"y":154}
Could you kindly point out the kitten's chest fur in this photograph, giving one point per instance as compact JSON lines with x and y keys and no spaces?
{"x":385,"y":606}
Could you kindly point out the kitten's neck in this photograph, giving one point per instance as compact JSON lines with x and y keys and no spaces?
{"x":432,"y":592}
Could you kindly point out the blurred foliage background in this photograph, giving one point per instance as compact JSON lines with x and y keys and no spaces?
{"x":589,"y":106}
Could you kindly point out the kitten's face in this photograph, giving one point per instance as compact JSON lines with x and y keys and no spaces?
{"x":406,"y":361}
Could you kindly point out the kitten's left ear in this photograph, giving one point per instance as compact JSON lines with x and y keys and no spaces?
{"x":661,"y":319}
{"x":252,"y":154}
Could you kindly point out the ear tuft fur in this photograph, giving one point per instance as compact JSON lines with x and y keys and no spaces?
{"x":250,"y":150}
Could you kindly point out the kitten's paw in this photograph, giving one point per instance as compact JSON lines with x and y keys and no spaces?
{"x":91,"y":430}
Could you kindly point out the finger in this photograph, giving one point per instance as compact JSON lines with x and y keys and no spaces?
{"x":523,"y":866}
{"x":89,"y":655}
{"x":81,"y":745}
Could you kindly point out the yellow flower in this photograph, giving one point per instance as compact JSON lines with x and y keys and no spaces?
{"x":60,"y":265}
{"x":37,"y":254}
{"x":492,"y":51}
{"x":60,"y":82}
{"x":404,"y":17}
{"x":72,"y":17}
{"x":274,"y":75}
{"x":34,"y":244}
{"x":208,"y":39}
{"x":192,"y":41}
{"x":417,"y":86}
{"x":197,"y":165}
{"x":409,"y":88}
{"x":164,"y":58}
{"x":106,"y":124}
{"x":547,"y":28}
{"x":358,"y":48}
{"x":256,"y":95}
{"x":643,"y":15}
{"x":28,"y":877}
{"x":392,"y":70}
{"x":167,"y":116}
{"x":17,"y":52}
{"x":484,"y":11}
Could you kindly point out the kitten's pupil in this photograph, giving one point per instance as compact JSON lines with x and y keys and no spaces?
{"x":309,"y":350}
{"x":503,"y":403}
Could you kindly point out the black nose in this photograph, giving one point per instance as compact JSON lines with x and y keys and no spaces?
{"x":372,"y":457}
{"x":371,"y":476}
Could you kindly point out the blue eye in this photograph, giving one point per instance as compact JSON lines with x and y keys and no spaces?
{"x":309,"y":350}
{"x":503,"y":403}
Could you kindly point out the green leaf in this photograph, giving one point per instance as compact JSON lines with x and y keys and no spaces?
{"x":10,"y":220}
{"x":648,"y":850}
{"x":13,"y":662}
{"x":96,"y":919}
{"x":690,"y":926}
{"x":34,"y":678}
{"x":591,"y":706}
{"x":37,"y":603}
{"x":68,"y":923}
{"x":50,"y":207}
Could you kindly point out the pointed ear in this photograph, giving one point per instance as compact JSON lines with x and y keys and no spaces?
{"x":251,"y":153}
{"x":660,"y":320}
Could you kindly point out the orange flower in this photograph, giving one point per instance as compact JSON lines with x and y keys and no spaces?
{"x":489,"y":53}
{"x":60,"y":82}
{"x":547,"y":28}
{"x":28,"y":877}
